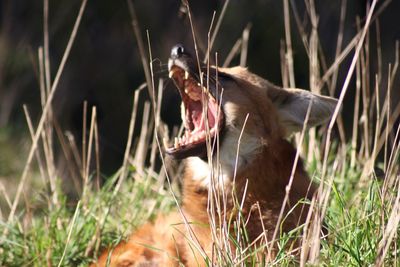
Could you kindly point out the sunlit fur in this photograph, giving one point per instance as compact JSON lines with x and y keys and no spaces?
{"x":263,"y":166}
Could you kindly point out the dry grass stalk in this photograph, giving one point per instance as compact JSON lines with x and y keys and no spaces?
{"x":216,"y":30}
{"x":141,"y":150}
{"x":71,"y":227}
{"x":345,"y":86}
{"x":356,"y":116}
{"x":37,"y":154}
{"x":44,"y":114}
{"x":288,"y":38}
{"x":245,"y":45}
{"x":93,"y":122}
{"x":339,"y":44}
{"x":232,"y":53}
{"x":141,"y":47}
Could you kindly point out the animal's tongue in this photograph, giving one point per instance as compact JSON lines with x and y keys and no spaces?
{"x":198,"y":119}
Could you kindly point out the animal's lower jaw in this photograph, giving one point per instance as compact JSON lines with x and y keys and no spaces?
{"x":232,"y":158}
{"x":207,"y":176}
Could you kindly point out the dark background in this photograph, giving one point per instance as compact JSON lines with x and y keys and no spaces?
{"x":104,"y":67}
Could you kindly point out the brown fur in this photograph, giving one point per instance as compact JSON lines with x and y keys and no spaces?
{"x":265,"y":163}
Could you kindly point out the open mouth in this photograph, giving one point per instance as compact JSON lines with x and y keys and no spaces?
{"x":201,"y":114}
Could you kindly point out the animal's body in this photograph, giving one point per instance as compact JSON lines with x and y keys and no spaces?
{"x":242,"y":110}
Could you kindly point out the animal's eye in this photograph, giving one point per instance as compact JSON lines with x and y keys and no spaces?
{"x":178,"y":50}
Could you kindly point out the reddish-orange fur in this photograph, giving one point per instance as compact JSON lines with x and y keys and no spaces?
{"x":266,"y":169}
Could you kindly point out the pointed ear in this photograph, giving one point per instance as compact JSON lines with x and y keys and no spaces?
{"x":292,"y":105}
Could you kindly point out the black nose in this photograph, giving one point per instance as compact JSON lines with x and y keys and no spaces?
{"x":177,"y":51}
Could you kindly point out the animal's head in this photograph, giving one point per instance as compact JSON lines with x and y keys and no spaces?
{"x":233,"y":103}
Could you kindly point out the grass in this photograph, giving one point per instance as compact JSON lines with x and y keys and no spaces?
{"x":75,"y":229}
{"x":359,"y":197}
{"x":355,"y":221}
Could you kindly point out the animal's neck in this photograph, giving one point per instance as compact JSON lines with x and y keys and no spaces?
{"x":262,"y":180}
{"x":269,"y":173}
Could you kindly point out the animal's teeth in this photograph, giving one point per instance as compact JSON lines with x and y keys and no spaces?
{"x":171,"y":73}
{"x":186,"y":91}
{"x":176,"y":143}
{"x":202,"y":134}
{"x":186,"y":75}
{"x":198,"y":84}
{"x":165,"y":143}
{"x":196,"y":138}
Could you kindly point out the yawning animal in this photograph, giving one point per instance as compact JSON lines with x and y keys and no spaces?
{"x":234,"y":141}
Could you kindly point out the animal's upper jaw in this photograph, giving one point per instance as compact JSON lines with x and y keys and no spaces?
{"x":201,"y":112}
